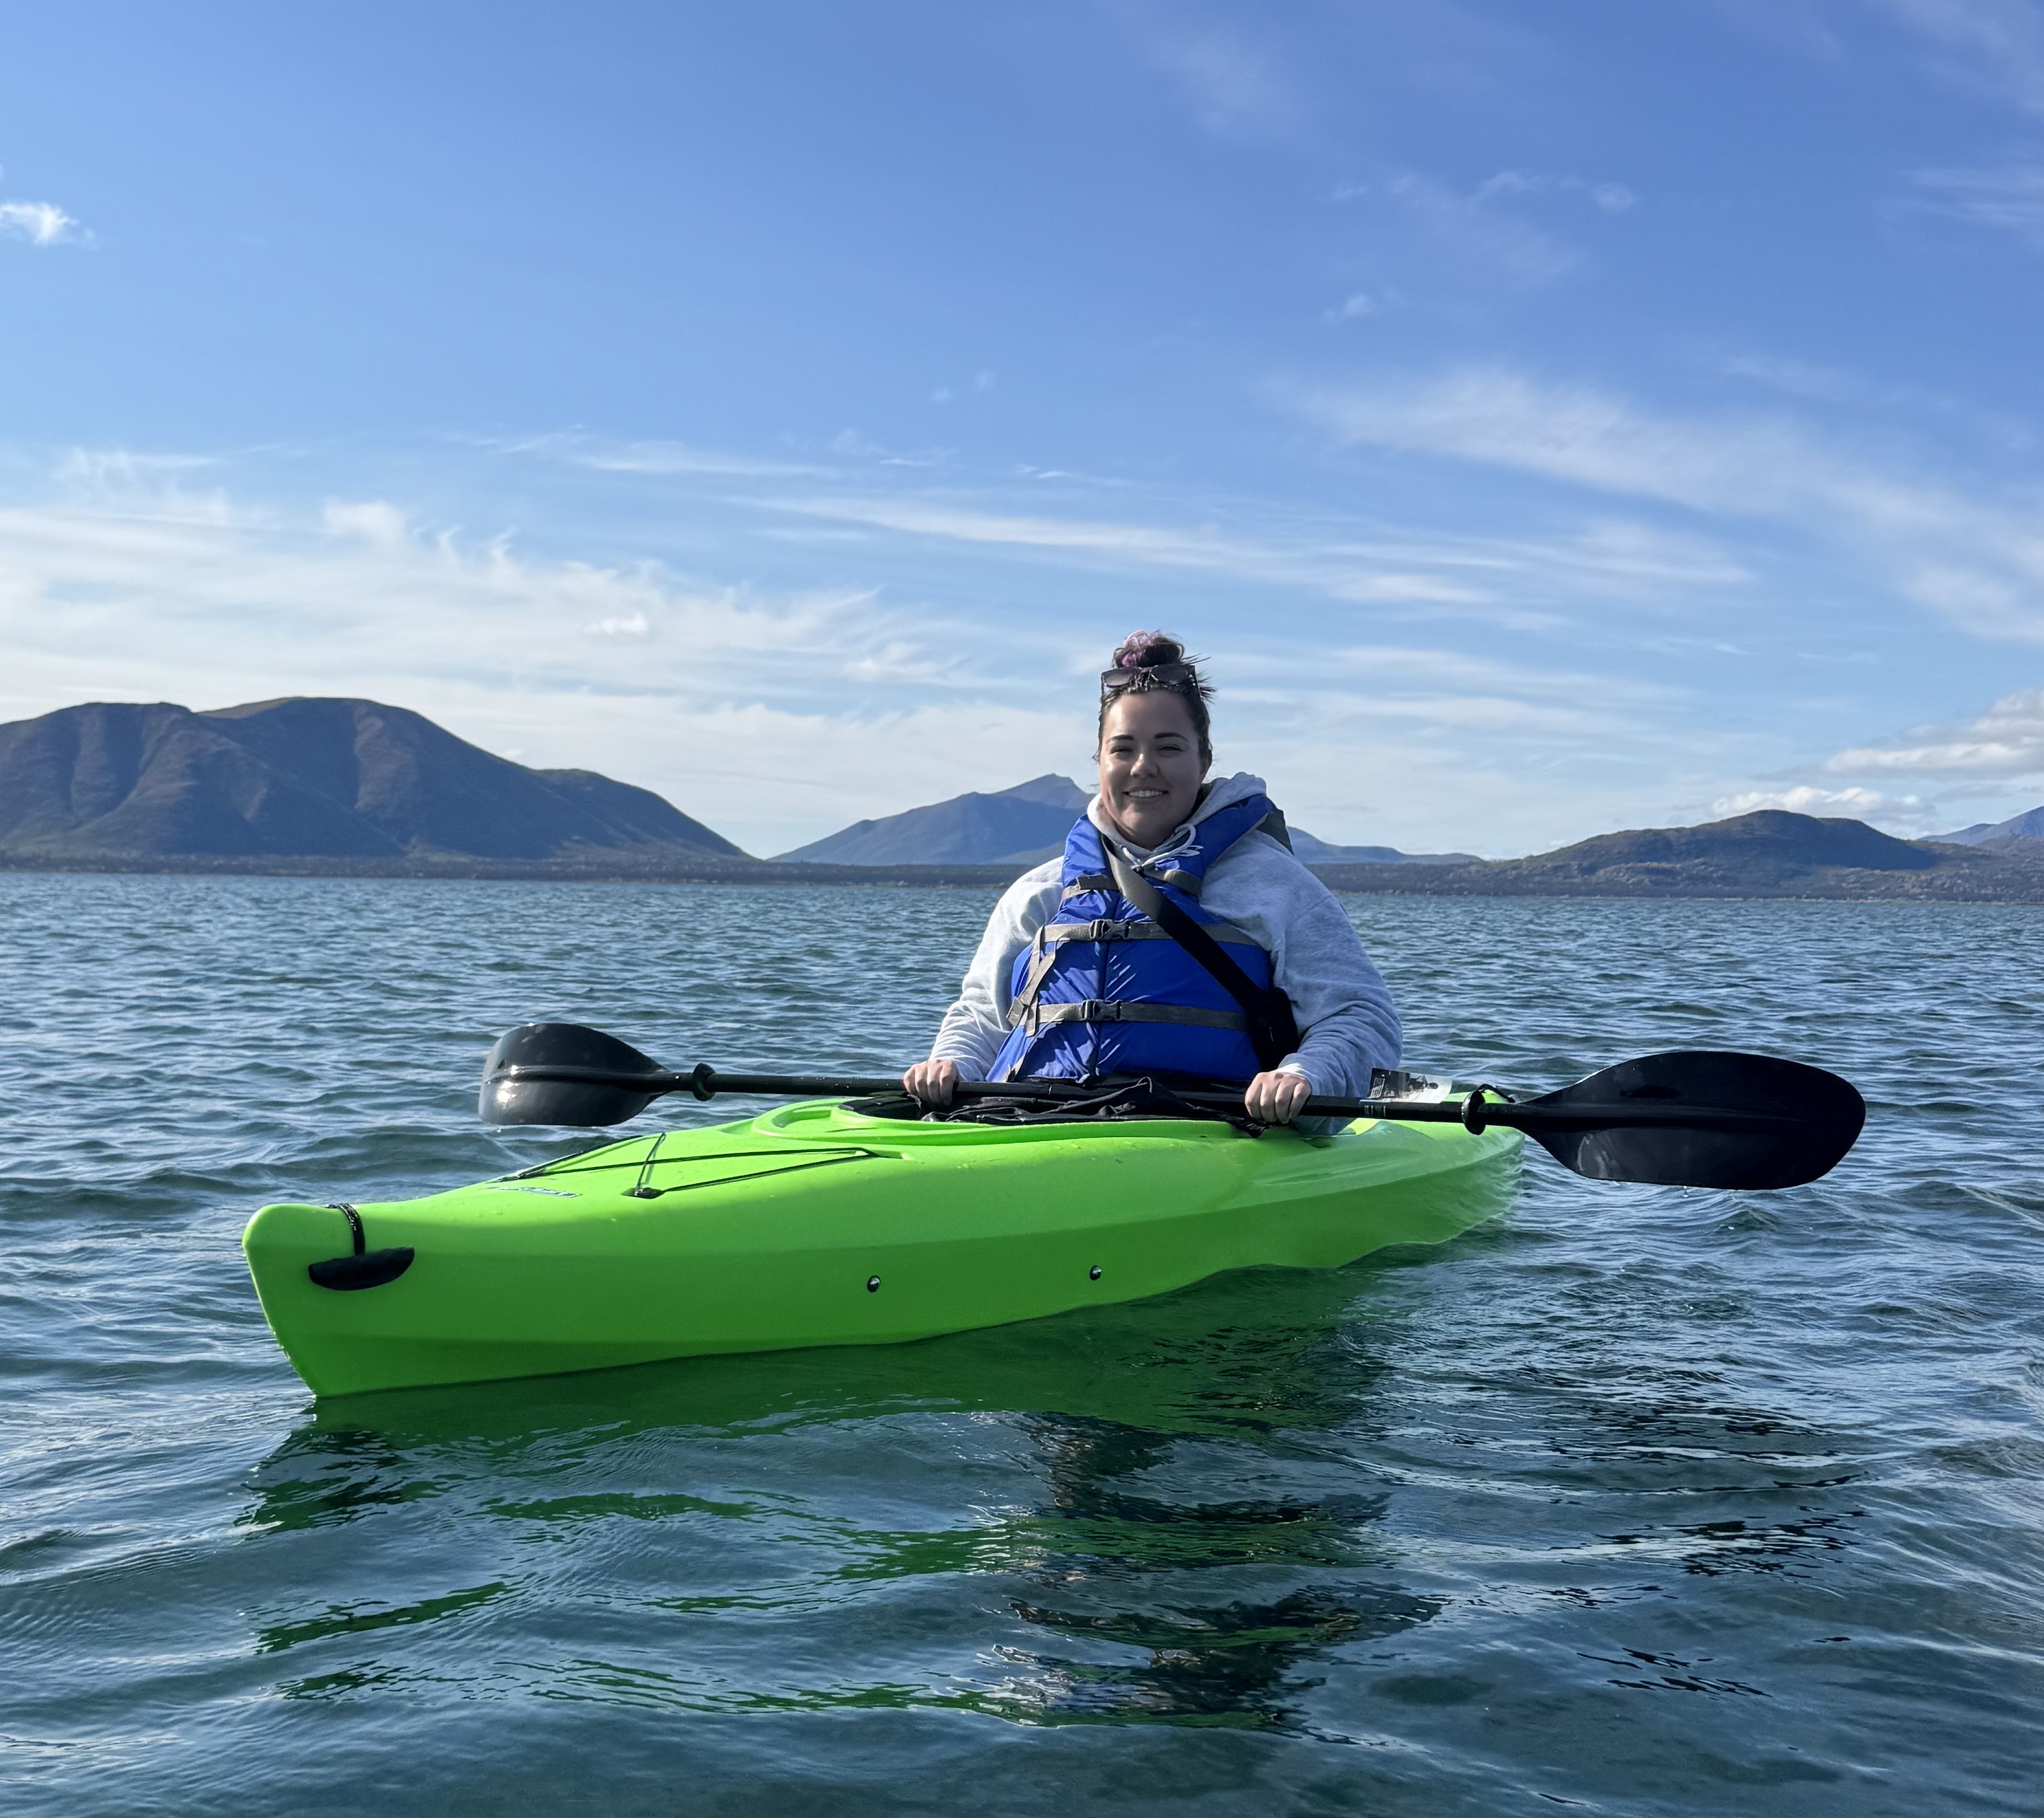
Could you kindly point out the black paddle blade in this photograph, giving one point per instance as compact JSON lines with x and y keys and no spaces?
{"x":1701,"y":1119}
{"x":566,"y":1045}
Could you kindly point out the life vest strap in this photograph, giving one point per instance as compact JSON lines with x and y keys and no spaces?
{"x":1183,"y":880}
{"x":1102,"y":1010}
{"x":1052,"y":935}
{"x":1127,"y":931}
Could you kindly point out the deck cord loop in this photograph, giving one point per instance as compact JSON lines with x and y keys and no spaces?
{"x":354,"y":1222}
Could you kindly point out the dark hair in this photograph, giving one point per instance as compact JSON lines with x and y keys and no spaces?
{"x":1150,"y":663}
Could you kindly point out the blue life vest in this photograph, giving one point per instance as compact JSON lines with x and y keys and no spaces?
{"x":1102,"y":989}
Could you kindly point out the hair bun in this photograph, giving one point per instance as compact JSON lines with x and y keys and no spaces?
{"x":1146,"y":649}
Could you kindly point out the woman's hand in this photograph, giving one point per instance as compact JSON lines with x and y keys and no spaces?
{"x":934,"y":1082}
{"x":1275,"y":1098}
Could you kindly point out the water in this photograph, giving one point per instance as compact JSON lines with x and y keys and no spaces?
{"x":1641,"y":1501}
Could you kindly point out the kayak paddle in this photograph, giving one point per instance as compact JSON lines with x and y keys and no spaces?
{"x":1690,"y":1117}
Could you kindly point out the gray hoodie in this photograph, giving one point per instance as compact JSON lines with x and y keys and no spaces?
{"x":1341,"y":1004}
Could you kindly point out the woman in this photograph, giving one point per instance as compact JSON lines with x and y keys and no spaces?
{"x":1177,"y":936}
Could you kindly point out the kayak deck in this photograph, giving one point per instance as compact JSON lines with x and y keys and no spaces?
{"x":814,"y":1225}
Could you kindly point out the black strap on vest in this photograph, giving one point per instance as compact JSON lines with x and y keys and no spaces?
{"x":1273,"y":1030}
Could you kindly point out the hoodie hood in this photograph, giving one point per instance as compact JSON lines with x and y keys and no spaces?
{"x":1221,"y":793}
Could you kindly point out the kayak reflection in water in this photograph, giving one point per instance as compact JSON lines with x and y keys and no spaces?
{"x":1176,"y":938}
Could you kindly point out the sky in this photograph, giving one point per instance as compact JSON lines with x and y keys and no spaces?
{"x":1544,"y":419}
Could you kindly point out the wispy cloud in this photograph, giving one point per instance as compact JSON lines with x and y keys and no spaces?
{"x":1233,"y":84}
{"x":1505,"y":581}
{"x":1471,"y":228}
{"x":42,"y":223}
{"x":1610,"y":198}
{"x":2006,"y":199}
{"x":1979,"y":561}
{"x":753,"y":708}
{"x":657,"y":458}
{"x":1994,"y":45}
{"x":777,"y":713}
{"x":1487,"y":228}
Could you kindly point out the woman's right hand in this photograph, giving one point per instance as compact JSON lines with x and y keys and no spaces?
{"x":934,"y":1082}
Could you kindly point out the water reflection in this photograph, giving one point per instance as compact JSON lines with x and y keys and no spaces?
{"x":1236,"y":1665}
{"x":1176,"y":1512}
{"x":1134,"y":1633}
{"x":1158,"y":1519}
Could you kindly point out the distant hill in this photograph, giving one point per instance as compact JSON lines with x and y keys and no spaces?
{"x":309,"y":777}
{"x":1317,"y":852}
{"x":1768,"y":853}
{"x":1022,"y":826}
{"x":2029,"y":827}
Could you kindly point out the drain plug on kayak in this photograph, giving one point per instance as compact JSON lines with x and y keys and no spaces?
{"x":1093,"y":1274}
{"x":872,"y":1284}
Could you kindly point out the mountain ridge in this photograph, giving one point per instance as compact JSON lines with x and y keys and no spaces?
{"x":310,"y":785}
{"x":1768,"y":853}
{"x":306,"y":776}
{"x":2028,"y":826}
{"x":1024,"y":826}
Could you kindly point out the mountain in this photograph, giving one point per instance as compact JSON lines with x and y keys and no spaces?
{"x":309,"y":777}
{"x":2030,"y":827}
{"x":1768,"y":853}
{"x":1022,"y":826}
{"x":1768,"y":845}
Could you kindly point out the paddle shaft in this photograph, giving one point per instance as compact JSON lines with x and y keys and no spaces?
{"x":1474,"y":1112}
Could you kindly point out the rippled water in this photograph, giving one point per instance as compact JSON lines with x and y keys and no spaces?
{"x":1641,"y":1501}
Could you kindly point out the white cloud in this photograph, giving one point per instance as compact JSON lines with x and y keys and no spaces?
{"x":41,"y":224}
{"x":1926,"y":781}
{"x":1978,"y":561}
{"x":623,"y":625}
{"x":2005,"y":744}
{"x":373,"y":520}
{"x":1805,"y":799}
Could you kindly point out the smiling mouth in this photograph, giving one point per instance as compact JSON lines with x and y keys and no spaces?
{"x":1144,"y":795}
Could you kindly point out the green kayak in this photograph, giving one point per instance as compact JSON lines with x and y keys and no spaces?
{"x":817,"y":1225}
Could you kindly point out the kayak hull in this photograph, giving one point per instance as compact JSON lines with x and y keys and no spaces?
{"x":815,"y":1226}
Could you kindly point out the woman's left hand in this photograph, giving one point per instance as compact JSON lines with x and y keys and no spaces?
{"x":1275,"y":1098}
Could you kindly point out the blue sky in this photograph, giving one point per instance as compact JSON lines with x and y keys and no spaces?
{"x":1547,"y":419}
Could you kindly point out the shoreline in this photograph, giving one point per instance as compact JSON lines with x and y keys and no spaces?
{"x":1823,"y":885}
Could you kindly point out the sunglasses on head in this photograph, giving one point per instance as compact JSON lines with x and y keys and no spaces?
{"x":1114,"y":680}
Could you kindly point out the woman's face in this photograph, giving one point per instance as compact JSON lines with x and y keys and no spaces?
{"x":1150,"y":769}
